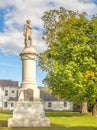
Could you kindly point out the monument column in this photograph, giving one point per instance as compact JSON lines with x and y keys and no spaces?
{"x":29,"y":56}
{"x":29,"y":110}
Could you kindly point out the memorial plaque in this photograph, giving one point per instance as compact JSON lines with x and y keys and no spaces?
{"x":28,"y":95}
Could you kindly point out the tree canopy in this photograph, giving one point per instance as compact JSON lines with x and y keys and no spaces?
{"x":71,"y":58}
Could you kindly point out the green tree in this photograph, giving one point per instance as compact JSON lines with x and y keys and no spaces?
{"x":71,"y":58}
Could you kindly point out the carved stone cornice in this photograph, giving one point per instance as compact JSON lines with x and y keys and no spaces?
{"x":29,"y":53}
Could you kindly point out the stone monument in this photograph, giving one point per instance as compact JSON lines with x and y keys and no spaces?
{"x":29,"y":110}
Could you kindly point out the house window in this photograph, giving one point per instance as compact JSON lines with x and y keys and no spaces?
{"x":49,"y":104}
{"x":12,"y":91}
{"x":65,"y":104}
{"x":12,"y":104}
{"x":5,"y":104}
{"x":6,"y":92}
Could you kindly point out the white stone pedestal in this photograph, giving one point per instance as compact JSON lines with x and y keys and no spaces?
{"x":29,"y":111}
{"x":28,"y":114}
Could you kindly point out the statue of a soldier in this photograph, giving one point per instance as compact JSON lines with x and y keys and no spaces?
{"x":28,"y":33}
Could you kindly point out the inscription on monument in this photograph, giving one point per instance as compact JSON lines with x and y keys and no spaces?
{"x":28,"y":95}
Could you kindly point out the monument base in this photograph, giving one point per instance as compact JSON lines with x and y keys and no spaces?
{"x":29,"y":114}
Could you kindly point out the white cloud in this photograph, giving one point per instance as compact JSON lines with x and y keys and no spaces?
{"x":11,"y":42}
{"x":18,"y":11}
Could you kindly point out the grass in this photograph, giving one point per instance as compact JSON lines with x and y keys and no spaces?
{"x":59,"y":121}
{"x":71,"y":119}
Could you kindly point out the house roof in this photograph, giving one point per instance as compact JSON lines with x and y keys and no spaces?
{"x":45,"y":89}
{"x":46,"y":96}
{"x":10,"y":83}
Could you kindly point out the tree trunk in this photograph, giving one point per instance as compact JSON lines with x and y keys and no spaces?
{"x":84,"y":108}
{"x":94,"y":112}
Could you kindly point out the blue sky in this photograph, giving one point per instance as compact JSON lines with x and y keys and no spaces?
{"x":13,"y":14}
{"x":11,"y":68}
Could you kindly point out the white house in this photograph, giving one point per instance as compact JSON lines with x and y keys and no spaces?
{"x":53,"y":103}
{"x":9,"y":97}
{"x":8,"y":94}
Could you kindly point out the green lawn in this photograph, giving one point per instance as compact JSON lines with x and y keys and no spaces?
{"x":59,"y":121}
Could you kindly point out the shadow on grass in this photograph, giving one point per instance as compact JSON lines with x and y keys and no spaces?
{"x":61,"y":114}
{"x":53,"y":127}
{"x":6,"y":112}
{"x":3,"y":123}
{"x":81,"y":128}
